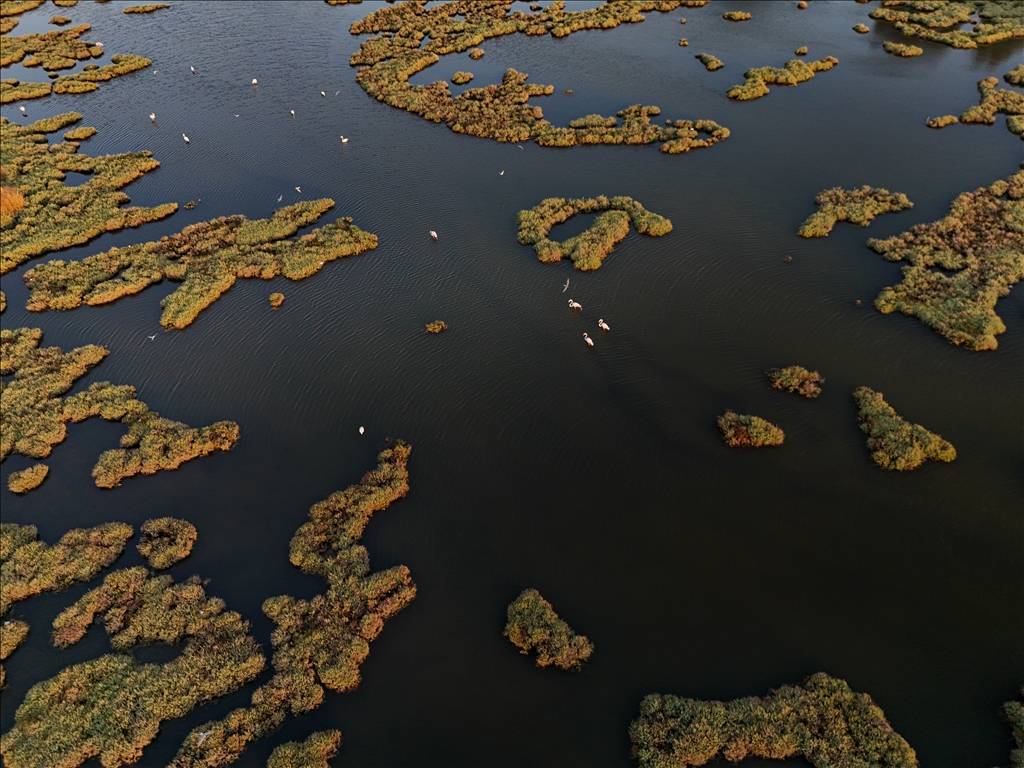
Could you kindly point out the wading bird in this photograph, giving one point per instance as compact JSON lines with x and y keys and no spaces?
{"x":603,"y":325}
{"x":192,"y":69}
{"x":586,"y":338}
{"x":279,"y":198}
{"x":501,"y":172}
{"x":152,"y":117}
{"x":575,"y":305}
{"x":23,"y":110}
{"x":151,"y":337}
{"x":186,"y":138}
{"x":362,"y":430}
{"x":299,"y":190}
{"x":433,"y":234}
{"x":291,"y":112}
{"x":255,"y":81}
{"x":323,"y":94}
{"x":344,"y":139}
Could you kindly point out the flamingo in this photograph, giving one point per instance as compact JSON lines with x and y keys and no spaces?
{"x":192,"y":69}
{"x":299,"y":190}
{"x":501,"y":172}
{"x":323,"y":94}
{"x":362,"y":430}
{"x":603,"y":325}
{"x":255,"y":82}
{"x":575,"y":305}
{"x":186,"y":138}
{"x":291,"y":112}
{"x":433,"y":234}
{"x":344,"y":139}
{"x":23,"y":110}
{"x":152,"y":117}
{"x":588,"y":340}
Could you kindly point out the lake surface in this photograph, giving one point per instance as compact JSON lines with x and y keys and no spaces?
{"x":597,"y":476}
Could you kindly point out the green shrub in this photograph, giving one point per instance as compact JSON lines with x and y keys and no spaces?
{"x":797,"y":380}
{"x":166,"y":541}
{"x":894,"y":442}
{"x":740,"y":430}
{"x":534,"y":627}
{"x":858,"y":206}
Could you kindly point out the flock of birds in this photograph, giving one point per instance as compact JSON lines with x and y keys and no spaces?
{"x":575,"y":306}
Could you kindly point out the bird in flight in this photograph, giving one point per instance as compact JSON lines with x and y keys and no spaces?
{"x":151,"y":337}
{"x":299,"y":190}
{"x":566,"y":286}
{"x":186,"y":138}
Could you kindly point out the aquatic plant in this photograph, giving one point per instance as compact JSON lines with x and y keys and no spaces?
{"x":757,"y":79}
{"x":461,"y":78}
{"x":410,"y":37}
{"x":59,"y":49}
{"x":166,"y":541}
{"x":902,"y":49}
{"x":858,"y":206}
{"x":476,"y":53}
{"x":12,"y":635}
{"x":534,"y":628}
{"x":36,"y":412}
{"x":148,"y":8}
{"x":10,"y":10}
{"x":994,"y":101}
{"x":54,"y":215}
{"x":1015,"y":76}
{"x":1013,"y":713}
{"x":588,"y":249}
{"x":111,"y":708}
{"x":25,"y":480}
{"x":315,"y":752}
{"x":801,"y":51}
{"x":11,"y":203}
{"x":320,"y":642}
{"x":683,"y":42}
{"x":80,"y":133}
{"x":737,"y":16}
{"x":861,"y":29}
{"x":796,"y":379}
{"x":86,"y":81}
{"x":436,"y":326}
{"x":960,"y":24}
{"x":740,"y":430}
{"x":30,"y":567}
{"x":958,"y":267}
{"x":276,"y":299}
{"x":822,"y":720}
{"x":206,"y":258}
{"x":59,"y":20}
{"x":894,"y":442}
{"x":710,"y":61}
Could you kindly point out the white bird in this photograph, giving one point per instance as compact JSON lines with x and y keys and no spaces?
{"x":566,"y":286}
{"x":186,"y":138}
{"x":603,"y":325}
{"x":235,"y":115}
{"x":192,"y":69}
{"x":323,"y":94}
{"x":501,"y":172}
{"x":362,"y":430}
{"x":586,"y":338}
{"x":575,"y":305}
{"x":202,"y":738}
{"x":98,"y":45}
{"x":344,"y":139}
{"x":433,"y":234}
{"x":152,"y":117}
{"x":23,"y":110}
{"x":255,"y":81}
{"x":337,"y":92}
{"x":151,"y":337}
{"x":279,"y":198}
{"x":291,"y":112}
{"x":299,"y":190}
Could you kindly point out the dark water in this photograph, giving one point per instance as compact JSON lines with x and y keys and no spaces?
{"x":597,"y":476}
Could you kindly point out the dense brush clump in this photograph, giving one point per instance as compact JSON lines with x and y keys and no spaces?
{"x":958,"y":267}
{"x":1015,"y":76}
{"x":994,"y":101}
{"x":757,"y":79}
{"x":25,"y":480}
{"x":87,"y":80}
{"x":858,"y":206}
{"x":148,"y":8}
{"x":315,"y":752}
{"x":534,"y":627}
{"x":166,"y":541}
{"x":12,"y":635}
{"x":37,"y":410}
{"x":10,"y":10}
{"x":588,"y":249}
{"x":740,"y":430}
{"x":276,"y":300}
{"x":902,"y":49}
{"x":894,"y":442}
{"x":319,"y":642}
{"x":822,"y":720}
{"x":861,"y":29}
{"x":59,"y":49}
{"x":710,"y":61}
{"x":206,"y":258}
{"x":51,"y":215}
{"x":111,"y":708}
{"x":436,"y":326}
{"x":963,"y":24}
{"x":410,"y":37}
{"x":461,"y":78}
{"x":737,"y":16}
{"x":796,"y":379}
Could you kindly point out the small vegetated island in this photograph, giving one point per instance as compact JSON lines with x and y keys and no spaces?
{"x":534,"y":627}
{"x":858,"y":206}
{"x":962,"y":24}
{"x":894,"y":442}
{"x":206,"y":258}
{"x":796,"y":71}
{"x":710,"y":61}
{"x":166,"y":541}
{"x":994,"y":101}
{"x":740,"y":430}
{"x":410,"y":37}
{"x":148,"y":8}
{"x":57,"y":50}
{"x":959,"y":266}
{"x":40,"y":214}
{"x":588,"y":249}
{"x":797,"y":380}
{"x":903,"y":50}
{"x":313,"y":752}
{"x":37,"y":410}
{"x":822,"y":720}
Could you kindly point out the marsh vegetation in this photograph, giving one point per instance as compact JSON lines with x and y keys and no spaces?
{"x":740,"y":430}
{"x":858,"y":206}
{"x":166,"y":541}
{"x":894,"y":442}
{"x":757,"y":79}
{"x":535,"y":628}
{"x":797,"y":380}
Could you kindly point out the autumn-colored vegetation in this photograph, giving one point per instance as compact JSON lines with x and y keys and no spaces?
{"x":37,"y":409}
{"x":588,"y":249}
{"x":958,"y":23}
{"x":858,"y":206}
{"x":737,"y":16}
{"x":894,"y":442}
{"x":315,"y":751}
{"x":54,"y":215}
{"x":11,"y":203}
{"x":757,"y":79}
{"x":994,"y":101}
{"x":166,"y":541}
{"x":10,"y":10}
{"x":861,"y":29}
{"x":206,"y":258}
{"x":111,"y":708}
{"x":797,"y":380}
{"x":148,"y":8}
{"x":59,"y":20}
{"x":409,"y":38}
{"x":12,"y":635}
{"x":958,"y":267}
{"x":276,"y":300}
{"x":710,"y":61}
{"x":25,"y":480}
{"x":12,"y":90}
{"x":319,"y":642}
{"x":461,"y":78}
{"x":822,"y":720}
{"x":740,"y":430}
{"x":436,"y":326}
{"x":942,"y":121}
{"x":1015,"y":76}
{"x":801,"y":51}
{"x":534,"y":628}
{"x":904,"y":50}
{"x":59,"y":49}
